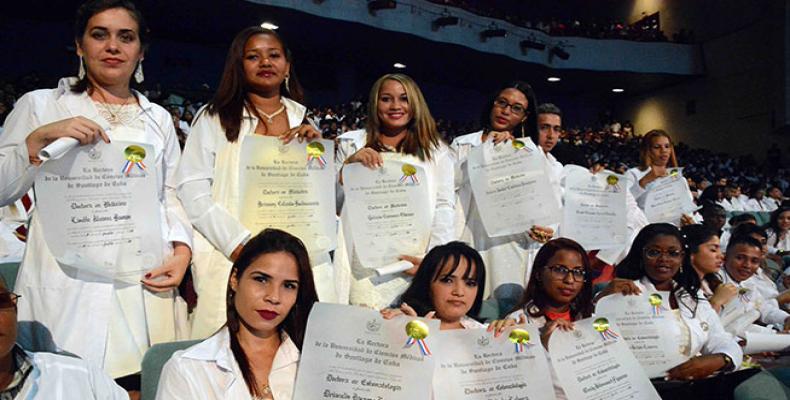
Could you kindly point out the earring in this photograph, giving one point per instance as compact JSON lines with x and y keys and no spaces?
{"x":138,"y":73}
{"x":287,"y":86}
{"x":81,"y":71}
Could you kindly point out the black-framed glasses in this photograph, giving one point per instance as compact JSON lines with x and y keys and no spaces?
{"x":515,"y":107}
{"x":654,"y":254}
{"x":8,"y":300}
{"x":559,"y":272}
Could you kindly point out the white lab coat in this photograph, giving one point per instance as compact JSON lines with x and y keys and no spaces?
{"x":208,"y":370}
{"x":61,"y":377}
{"x":439,"y":178}
{"x":64,"y":304}
{"x":778,"y":245}
{"x":770,"y":313}
{"x":634,"y":175}
{"x":11,"y":217}
{"x":508,"y":259}
{"x":208,"y":184}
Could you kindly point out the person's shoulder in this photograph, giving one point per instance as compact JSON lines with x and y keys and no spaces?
{"x":51,"y":361}
{"x":469,"y":138}
{"x":352,"y":135}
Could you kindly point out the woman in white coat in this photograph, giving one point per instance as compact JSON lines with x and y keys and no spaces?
{"x":511,"y":112}
{"x":108,"y":323}
{"x":256,"y":354}
{"x":258,"y":94}
{"x":399,"y":121}
{"x":656,"y":263}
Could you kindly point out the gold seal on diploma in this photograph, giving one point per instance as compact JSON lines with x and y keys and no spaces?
{"x":601,"y":325}
{"x":408,"y":170}
{"x":315,"y":149}
{"x":519,"y":336}
{"x":134,"y":153}
{"x":612,"y":180}
{"x":417,"y":330}
{"x":517,"y":144}
{"x":655,"y":299}
{"x":674,"y":172}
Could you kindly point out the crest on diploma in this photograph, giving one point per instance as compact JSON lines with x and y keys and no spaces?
{"x":315,"y":155}
{"x":373,"y":325}
{"x":601,"y":325}
{"x":409,"y":175}
{"x":134,"y":156}
{"x":613,"y":184}
{"x":483,"y":341}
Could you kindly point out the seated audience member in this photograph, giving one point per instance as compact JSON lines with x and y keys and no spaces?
{"x":714,"y":216}
{"x":255,"y":355}
{"x":448,"y":286}
{"x":778,"y":230}
{"x":734,"y":222}
{"x":26,"y":375}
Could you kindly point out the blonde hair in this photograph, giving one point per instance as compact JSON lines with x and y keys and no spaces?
{"x":645,"y":161}
{"x":423,"y":137}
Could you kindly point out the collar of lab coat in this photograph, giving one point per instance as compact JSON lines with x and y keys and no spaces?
{"x":474,"y":139}
{"x":217,"y":349}
{"x":75,"y":103}
{"x":294,"y":110}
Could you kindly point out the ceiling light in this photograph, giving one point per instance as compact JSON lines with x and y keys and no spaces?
{"x":269,"y":25}
{"x":553,"y":79}
{"x":618,"y":90}
{"x":399,"y":65}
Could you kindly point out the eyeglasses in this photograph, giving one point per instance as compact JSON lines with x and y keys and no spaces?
{"x":516,"y":108}
{"x":654,"y":254}
{"x":560,"y":272}
{"x":8,"y":300}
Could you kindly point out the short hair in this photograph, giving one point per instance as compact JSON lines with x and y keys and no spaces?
{"x":744,"y":240}
{"x":549,"y":108}
{"x":742,"y":218}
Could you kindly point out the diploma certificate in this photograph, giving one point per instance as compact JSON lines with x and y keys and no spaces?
{"x":389,"y":210}
{"x":595,"y":209}
{"x":289,"y":187}
{"x":593,"y":362}
{"x":353,"y":353}
{"x":99,"y":209}
{"x":649,"y":327}
{"x":471,"y":364}
{"x":667,"y":198}
{"x":511,"y":187}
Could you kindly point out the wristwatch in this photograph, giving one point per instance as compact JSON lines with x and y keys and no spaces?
{"x":728,"y":364}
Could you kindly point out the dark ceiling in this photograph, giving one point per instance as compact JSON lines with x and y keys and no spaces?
{"x":322,"y":45}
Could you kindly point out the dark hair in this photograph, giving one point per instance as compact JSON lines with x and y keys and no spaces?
{"x":418,"y":295}
{"x":693,"y":236}
{"x":267,"y":242}
{"x":528,"y":128}
{"x":231,"y":95}
{"x":535,"y":296}
{"x":88,"y":9}
{"x":747,"y":240}
{"x":633,"y":265}
{"x":749,"y":230}
{"x":773,"y":223}
{"x":742,"y":218}
{"x":549,"y":108}
{"x":710,"y":195}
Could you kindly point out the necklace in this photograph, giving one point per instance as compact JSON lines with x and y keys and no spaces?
{"x":266,"y":392}
{"x":114,"y":115}
{"x":270,"y":117}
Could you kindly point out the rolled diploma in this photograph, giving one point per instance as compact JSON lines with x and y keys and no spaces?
{"x":763,"y":342}
{"x":57,"y":148}
{"x":394,"y":268}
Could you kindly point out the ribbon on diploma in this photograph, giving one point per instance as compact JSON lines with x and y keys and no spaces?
{"x":134,"y":157}
{"x":612,"y":184}
{"x":315,"y":154}
{"x":520,"y":339}
{"x":601,"y":325}
{"x":519,"y":145}
{"x":417,"y":332}
{"x":409,"y":175}
{"x":655,"y":301}
{"x":744,"y":295}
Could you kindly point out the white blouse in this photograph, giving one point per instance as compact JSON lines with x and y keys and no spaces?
{"x":209,"y":371}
